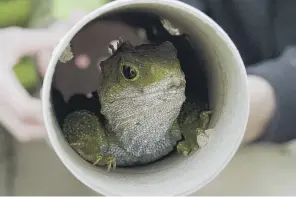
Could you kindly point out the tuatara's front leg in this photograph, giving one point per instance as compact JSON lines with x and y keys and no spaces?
{"x":193,"y":122}
{"x":86,"y":135}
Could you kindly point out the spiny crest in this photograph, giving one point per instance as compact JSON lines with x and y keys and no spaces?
{"x":165,"y":49}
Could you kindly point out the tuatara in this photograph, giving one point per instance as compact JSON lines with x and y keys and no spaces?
{"x":144,"y":115}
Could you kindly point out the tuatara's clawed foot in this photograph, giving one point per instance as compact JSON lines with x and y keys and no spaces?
{"x":110,"y":161}
{"x":195,"y":132}
{"x":197,"y":141}
{"x":204,"y":119}
{"x":202,"y":137}
{"x":184,"y":148}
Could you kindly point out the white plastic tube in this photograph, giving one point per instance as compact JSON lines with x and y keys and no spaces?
{"x":175,"y":175}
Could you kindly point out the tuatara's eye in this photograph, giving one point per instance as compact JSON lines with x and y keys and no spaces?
{"x":129,"y":72}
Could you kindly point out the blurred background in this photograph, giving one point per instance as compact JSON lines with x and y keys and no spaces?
{"x":34,"y":169}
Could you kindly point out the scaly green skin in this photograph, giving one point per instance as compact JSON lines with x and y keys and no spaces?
{"x":84,"y":131}
{"x":193,"y":120}
{"x":145,"y":115}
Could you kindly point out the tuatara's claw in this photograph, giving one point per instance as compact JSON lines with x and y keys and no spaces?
{"x":99,"y":158}
{"x":111,"y":163}
{"x":183,"y":148}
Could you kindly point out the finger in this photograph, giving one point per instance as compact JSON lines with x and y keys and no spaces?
{"x":42,"y":59}
{"x":24,"y":41}
{"x":20,"y":130}
{"x":14,"y":95}
{"x":11,"y":91}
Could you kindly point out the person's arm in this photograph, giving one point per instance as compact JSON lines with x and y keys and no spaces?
{"x":272,"y":86}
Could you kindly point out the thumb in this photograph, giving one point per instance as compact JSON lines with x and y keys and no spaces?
{"x":13,"y":94}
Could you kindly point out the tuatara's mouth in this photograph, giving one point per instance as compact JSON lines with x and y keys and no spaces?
{"x":172,"y":85}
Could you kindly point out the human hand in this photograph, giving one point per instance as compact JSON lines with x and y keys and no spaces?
{"x":262,"y":107}
{"x":20,"y":113}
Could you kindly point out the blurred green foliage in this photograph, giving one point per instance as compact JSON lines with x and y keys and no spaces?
{"x":14,"y":12}
{"x":26,"y":72}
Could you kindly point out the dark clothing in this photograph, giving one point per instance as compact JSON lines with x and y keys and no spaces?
{"x":264,"y":32}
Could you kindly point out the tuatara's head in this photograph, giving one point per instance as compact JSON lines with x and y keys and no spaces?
{"x":142,"y":69}
{"x":142,"y":88}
